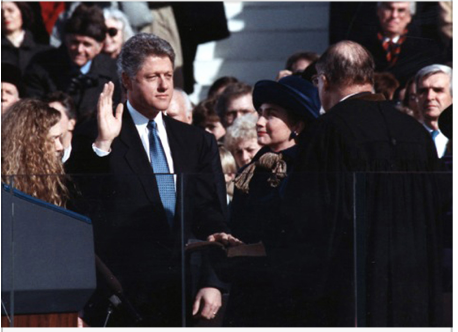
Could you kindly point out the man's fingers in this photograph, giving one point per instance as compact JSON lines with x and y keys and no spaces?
{"x":208,"y":311}
{"x":119,"y":110}
{"x":195,"y":306}
{"x":110,"y":89}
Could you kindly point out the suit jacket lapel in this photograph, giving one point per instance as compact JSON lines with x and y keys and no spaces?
{"x":135,"y":156}
{"x":179,"y":165}
{"x":174,"y":138}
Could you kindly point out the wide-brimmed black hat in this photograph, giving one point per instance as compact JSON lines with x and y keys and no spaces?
{"x":292,"y":93}
{"x":446,"y":122}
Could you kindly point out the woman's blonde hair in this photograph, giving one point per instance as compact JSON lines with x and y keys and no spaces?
{"x":29,"y":159}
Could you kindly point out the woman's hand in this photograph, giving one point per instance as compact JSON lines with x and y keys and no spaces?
{"x":224,"y":238}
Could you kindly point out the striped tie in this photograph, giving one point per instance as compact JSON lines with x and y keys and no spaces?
{"x":164,"y":179}
{"x":392,"y":49}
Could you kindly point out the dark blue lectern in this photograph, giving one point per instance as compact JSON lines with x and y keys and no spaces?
{"x":48,"y":262}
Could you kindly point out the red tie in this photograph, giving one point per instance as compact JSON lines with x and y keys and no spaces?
{"x":392,"y":49}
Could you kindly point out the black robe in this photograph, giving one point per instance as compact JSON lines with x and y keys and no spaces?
{"x":366,"y":208}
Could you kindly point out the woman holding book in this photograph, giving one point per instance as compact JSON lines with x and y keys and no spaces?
{"x":262,"y":293}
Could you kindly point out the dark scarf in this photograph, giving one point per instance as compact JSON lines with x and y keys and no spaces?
{"x":270,"y":161}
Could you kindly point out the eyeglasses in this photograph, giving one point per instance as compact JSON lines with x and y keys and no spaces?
{"x":315,"y":79}
{"x":112,"y":32}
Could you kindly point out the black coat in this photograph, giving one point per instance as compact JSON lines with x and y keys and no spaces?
{"x":416,"y":52}
{"x":53,"y":71}
{"x":131,"y":232}
{"x":263,"y":289}
{"x":21,"y":56}
{"x":366,"y":208}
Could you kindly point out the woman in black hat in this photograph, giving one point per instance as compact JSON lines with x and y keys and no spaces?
{"x":262,"y":292}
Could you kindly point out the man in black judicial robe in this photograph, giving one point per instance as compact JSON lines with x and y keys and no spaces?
{"x":365,"y":205}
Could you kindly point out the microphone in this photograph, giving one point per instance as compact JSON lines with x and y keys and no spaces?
{"x":118,"y":297}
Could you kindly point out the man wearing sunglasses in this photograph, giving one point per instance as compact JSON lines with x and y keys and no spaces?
{"x":77,"y":67}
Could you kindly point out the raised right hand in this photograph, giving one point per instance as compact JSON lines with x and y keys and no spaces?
{"x":109,"y":125}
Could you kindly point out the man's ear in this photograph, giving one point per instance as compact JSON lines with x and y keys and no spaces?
{"x":326,"y":83}
{"x":100,"y":47}
{"x":126,"y":82}
{"x":71,"y":124}
{"x":409,"y":19}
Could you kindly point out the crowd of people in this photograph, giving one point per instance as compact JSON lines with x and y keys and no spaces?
{"x":340,"y":151}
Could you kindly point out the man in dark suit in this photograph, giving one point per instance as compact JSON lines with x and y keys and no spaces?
{"x":397,"y":46}
{"x":371,"y":253}
{"x":142,"y":218}
{"x":77,"y":67}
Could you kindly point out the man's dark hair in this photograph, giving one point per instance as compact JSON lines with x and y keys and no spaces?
{"x":205,"y":112}
{"x":386,"y":84}
{"x":138,"y":48}
{"x":347,"y":63}
{"x":12,"y":74}
{"x":309,"y":56}
{"x":65,"y":100}
{"x":232,"y":91}
{"x":219,"y":83}
{"x":87,"y":21}
{"x":309,"y":72}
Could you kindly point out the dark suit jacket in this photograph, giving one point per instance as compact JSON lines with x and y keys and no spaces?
{"x":53,"y":70}
{"x":120,"y":194}
{"x":416,"y":52}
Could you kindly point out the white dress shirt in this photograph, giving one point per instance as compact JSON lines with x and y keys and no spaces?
{"x":440,"y":141}
{"x":141,"y":123}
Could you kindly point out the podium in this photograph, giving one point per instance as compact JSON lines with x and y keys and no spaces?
{"x":48,"y":262}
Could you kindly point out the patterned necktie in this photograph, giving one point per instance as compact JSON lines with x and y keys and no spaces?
{"x":164,"y":179}
{"x":392,"y":49}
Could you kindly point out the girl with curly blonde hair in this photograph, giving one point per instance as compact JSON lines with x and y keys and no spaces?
{"x":32,"y":151}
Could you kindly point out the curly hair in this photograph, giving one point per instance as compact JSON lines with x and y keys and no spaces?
{"x":29,"y":160}
{"x":243,"y":129}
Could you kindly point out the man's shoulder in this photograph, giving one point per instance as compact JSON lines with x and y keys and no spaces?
{"x":49,"y":54}
{"x":102,"y":63}
{"x":357,"y":113}
{"x":49,"y":60}
{"x":183,"y":127}
{"x":189,"y":134}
